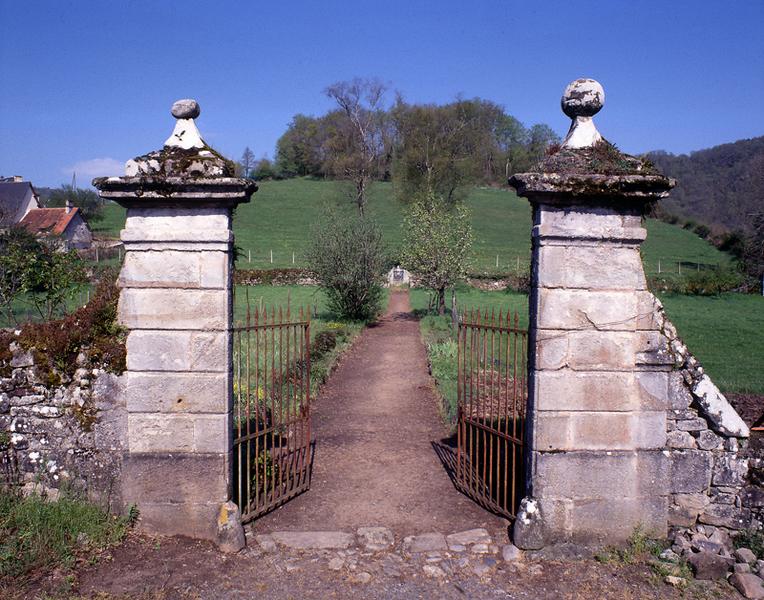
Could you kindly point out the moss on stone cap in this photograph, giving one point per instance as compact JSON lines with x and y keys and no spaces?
{"x":172,"y":161}
{"x":603,"y":158}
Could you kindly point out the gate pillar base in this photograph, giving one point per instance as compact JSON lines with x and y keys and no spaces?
{"x":176,"y":303}
{"x":595,"y":467}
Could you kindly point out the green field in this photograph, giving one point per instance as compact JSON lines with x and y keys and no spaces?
{"x":725,"y":333}
{"x":281,"y":213}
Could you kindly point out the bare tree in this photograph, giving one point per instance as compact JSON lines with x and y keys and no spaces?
{"x":357,"y":147}
{"x":247,"y":162}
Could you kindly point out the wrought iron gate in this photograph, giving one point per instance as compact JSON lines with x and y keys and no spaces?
{"x":492,"y":393}
{"x":272,"y":449}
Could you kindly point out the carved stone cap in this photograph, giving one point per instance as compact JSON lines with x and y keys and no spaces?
{"x":186,"y":169}
{"x":588,"y":166}
{"x":589,"y":187}
{"x":175,"y":191}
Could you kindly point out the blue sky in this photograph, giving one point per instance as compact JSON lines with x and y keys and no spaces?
{"x":89,"y":84}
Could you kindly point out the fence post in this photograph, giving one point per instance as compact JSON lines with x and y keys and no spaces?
{"x":595,"y":466}
{"x":176,"y":302}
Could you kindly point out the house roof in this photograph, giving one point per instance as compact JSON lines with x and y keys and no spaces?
{"x":48,"y":221}
{"x":12,"y":200}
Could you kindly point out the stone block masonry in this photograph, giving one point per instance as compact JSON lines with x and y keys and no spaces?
{"x":624,"y":428}
{"x":176,"y":302}
{"x":62,"y":437}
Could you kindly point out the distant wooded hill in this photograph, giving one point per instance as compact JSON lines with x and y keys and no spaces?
{"x":723,"y":184}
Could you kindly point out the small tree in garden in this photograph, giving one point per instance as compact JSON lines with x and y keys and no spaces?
{"x":30,"y":268}
{"x":437,"y":240}
{"x":348,"y":258}
{"x":53,"y":279}
{"x":18,"y":251}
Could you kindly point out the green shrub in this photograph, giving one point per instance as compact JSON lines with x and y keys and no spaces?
{"x":713,"y":281}
{"x":323,"y":343}
{"x":348,"y":258}
{"x":443,"y":357}
{"x":38,"y":533}
{"x":702,"y":231}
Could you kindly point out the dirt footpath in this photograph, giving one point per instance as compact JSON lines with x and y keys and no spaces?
{"x":374,"y":424}
{"x":181,"y":569}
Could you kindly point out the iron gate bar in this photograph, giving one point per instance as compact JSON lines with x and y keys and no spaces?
{"x":492,"y":391}
{"x":272,"y":447}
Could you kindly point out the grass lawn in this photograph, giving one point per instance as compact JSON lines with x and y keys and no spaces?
{"x":36,"y":533}
{"x":25,"y":310}
{"x":281,"y":213}
{"x":112,"y":222}
{"x":726,"y":333}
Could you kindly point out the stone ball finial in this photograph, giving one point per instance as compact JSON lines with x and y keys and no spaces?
{"x":185,"y":109}
{"x":583,"y":98}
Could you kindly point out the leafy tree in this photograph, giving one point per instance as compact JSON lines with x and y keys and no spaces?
{"x":431,"y":156}
{"x":753,"y":254}
{"x":356,"y":148}
{"x":437,"y":240}
{"x":263,"y":169}
{"x":53,"y":279}
{"x":31,"y":268}
{"x":540,"y":137}
{"x":348,"y":258}
{"x":299,"y":151}
{"x":511,"y":141}
{"x":86,"y":200}
{"x":720,"y":185}
{"x":18,"y":250}
{"x":443,"y":149}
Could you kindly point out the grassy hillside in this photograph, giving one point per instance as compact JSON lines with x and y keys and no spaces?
{"x":281,"y":213}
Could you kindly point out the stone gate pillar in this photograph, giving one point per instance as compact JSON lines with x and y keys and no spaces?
{"x":176,"y":302}
{"x":596,"y":466}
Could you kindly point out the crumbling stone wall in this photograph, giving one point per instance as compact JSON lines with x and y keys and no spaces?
{"x":67,"y":436}
{"x":705,"y":440}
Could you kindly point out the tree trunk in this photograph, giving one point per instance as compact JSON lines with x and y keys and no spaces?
{"x":360,"y":197}
{"x":442,"y":301}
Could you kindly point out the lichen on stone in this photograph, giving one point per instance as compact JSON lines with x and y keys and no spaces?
{"x":172,"y":161}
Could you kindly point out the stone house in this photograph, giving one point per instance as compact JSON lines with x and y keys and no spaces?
{"x":17,"y":198}
{"x":65,"y":226}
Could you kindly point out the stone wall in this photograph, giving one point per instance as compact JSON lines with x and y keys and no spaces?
{"x":68,"y":436}
{"x":705,"y":438}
